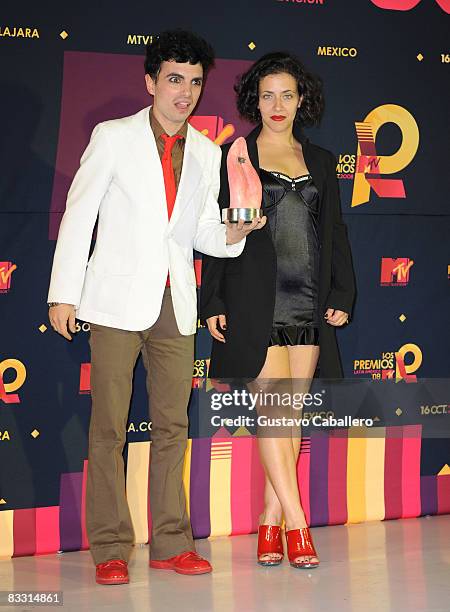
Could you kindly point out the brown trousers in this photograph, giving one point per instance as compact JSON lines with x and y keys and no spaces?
{"x":168,"y":358}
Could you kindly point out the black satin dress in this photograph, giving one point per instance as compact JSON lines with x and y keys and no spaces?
{"x":292,"y":209}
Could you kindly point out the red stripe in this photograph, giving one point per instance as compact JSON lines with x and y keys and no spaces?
{"x":24,"y":532}
{"x":443,"y":494}
{"x":393,"y":472}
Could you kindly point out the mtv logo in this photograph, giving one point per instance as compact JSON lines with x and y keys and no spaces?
{"x":395,"y":271}
{"x":6,"y":270}
{"x":387,"y":374}
{"x":368,"y":175}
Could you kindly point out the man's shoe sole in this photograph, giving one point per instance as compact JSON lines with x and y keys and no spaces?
{"x":113,"y":581}
{"x":163,"y":565}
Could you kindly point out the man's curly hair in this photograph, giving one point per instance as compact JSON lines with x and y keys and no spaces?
{"x":179,"y":46}
{"x":309,"y":85}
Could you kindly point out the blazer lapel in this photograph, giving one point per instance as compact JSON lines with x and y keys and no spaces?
{"x":151,"y":178}
{"x":148,"y":164}
{"x":315,"y":168}
{"x":191,"y":174}
{"x":252,"y":147}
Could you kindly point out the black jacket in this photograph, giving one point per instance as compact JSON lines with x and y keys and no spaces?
{"x":243,"y":288}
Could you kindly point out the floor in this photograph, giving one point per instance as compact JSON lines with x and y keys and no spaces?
{"x":398,"y":565}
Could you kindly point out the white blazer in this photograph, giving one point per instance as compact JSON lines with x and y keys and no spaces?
{"x":120,"y":181}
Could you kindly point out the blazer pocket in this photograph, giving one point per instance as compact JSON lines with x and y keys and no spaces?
{"x":107,"y":292}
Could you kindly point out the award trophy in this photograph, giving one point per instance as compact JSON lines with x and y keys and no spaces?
{"x":245,"y":186}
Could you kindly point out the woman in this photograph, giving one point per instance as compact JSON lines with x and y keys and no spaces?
{"x":273,"y":311}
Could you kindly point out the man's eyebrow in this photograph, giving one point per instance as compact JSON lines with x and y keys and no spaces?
{"x":180,"y":76}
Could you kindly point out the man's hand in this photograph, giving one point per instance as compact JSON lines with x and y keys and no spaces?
{"x":61,"y":317}
{"x":237,"y":231}
{"x":212,"y":326}
{"x":336,"y":317}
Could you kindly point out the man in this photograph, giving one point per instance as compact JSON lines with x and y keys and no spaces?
{"x":153,"y":181}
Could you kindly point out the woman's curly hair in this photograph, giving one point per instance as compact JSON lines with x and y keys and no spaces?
{"x":310,"y":85}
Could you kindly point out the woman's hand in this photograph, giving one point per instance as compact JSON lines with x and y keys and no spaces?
{"x":212,"y":323}
{"x":336,"y":317}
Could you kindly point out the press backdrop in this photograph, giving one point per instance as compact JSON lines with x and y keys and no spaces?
{"x":385,"y":66}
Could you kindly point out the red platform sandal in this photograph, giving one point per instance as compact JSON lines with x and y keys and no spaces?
{"x":269,"y":542}
{"x":299,"y":544}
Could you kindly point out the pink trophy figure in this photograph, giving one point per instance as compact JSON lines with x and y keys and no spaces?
{"x":245,"y":186}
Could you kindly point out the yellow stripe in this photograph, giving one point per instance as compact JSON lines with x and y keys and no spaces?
{"x":6,"y":534}
{"x":220,"y":496}
{"x":187,"y":475}
{"x":356,"y":468}
{"x":137,"y":488}
{"x":375,"y":474}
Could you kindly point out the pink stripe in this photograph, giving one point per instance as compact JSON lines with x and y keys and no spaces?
{"x":47,"y":530}
{"x":303,"y":477}
{"x":241,"y":486}
{"x":411,"y":470}
{"x":393,"y":472}
{"x":24,"y":532}
{"x":84,"y":538}
{"x":443,"y":493}
{"x":337,"y":477}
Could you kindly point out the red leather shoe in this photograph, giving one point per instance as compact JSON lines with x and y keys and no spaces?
{"x":299,"y":543}
{"x":112,"y":572}
{"x":189,"y":563}
{"x":269,"y":541}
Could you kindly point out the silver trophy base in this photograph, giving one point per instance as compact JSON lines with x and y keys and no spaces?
{"x":233,"y":215}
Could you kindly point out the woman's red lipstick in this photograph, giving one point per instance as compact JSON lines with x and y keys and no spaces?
{"x":278,"y":117}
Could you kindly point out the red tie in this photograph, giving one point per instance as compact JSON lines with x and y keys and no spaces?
{"x":169,"y":176}
{"x":167,"y":167}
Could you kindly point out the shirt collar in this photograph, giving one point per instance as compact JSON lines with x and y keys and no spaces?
{"x":158,"y":129}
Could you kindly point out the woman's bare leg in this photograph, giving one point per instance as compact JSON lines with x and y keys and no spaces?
{"x":302,"y":364}
{"x":279,"y":455}
{"x":276,"y":366}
